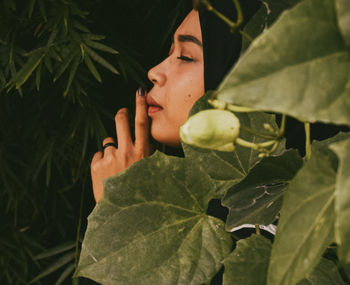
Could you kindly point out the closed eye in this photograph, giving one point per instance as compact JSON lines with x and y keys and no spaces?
{"x":185,"y":58}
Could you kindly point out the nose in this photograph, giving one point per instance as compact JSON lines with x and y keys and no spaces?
{"x":157,"y":75}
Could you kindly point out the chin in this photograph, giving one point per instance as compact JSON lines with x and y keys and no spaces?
{"x":164,"y":137}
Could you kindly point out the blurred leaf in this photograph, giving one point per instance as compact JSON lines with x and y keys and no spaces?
{"x":307,"y":81}
{"x":30,"y":8}
{"x":325,"y":273}
{"x":101,"y":47}
{"x":28,"y":68}
{"x":100,"y":60}
{"x":154,"y":231}
{"x":55,"y":266}
{"x":343,"y":8}
{"x":67,"y":272}
{"x":342,"y":200}
{"x":258,"y":198}
{"x":248,"y":263}
{"x":92,"y":68}
{"x":66,"y":62}
{"x":42,"y":9}
{"x":72,"y":73}
{"x":38,"y":77}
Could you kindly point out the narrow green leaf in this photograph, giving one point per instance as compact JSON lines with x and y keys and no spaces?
{"x":306,"y":226}
{"x":66,"y":61}
{"x":55,"y":266}
{"x":42,"y":9}
{"x":325,"y":273}
{"x":38,"y":77}
{"x":28,"y":68}
{"x":100,"y":60}
{"x":72,"y":73}
{"x":248,"y":263}
{"x":343,"y":13}
{"x":92,"y":68}
{"x":155,"y":230}
{"x":68,"y":271}
{"x":56,"y":250}
{"x":80,"y":26}
{"x":308,"y":81}
{"x":236,"y":165}
{"x":342,"y":200}
{"x":93,"y":37}
{"x":257,"y":199}
{"x":101,"y":47}
{"x":30,"y":8}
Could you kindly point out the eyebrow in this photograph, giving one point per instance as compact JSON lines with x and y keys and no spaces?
{"x":189,"y":38}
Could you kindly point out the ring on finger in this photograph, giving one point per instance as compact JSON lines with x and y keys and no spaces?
{"x":109,"y":144}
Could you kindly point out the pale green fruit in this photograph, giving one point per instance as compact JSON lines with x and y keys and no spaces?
{"x":213,"y":129}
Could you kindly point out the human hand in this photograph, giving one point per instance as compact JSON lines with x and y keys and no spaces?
{"x":114,"y":160}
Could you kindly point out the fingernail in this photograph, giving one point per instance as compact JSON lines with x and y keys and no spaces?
{"x":141,"y":92}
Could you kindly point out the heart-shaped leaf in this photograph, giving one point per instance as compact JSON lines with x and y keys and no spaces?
{"x":150,"y":227}
{"x":306,"y":226}
{"x":257,"y":199}
{"x":248,"y":263}
{"x":300,"y":66}
{"x":342,"y":200}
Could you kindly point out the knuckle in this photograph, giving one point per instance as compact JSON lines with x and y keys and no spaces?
{"x":107,"y":140}
{"x":141,"y":122}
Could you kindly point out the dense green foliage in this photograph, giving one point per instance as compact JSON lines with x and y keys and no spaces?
{"x":54,"y":113}
{"x":158,"y":231}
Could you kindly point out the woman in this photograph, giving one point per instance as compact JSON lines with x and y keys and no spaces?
{"x":202,"y":52}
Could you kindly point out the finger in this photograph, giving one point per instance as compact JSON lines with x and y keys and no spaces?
{"x":141,"y":122}
{"x":97,"y":156}
{"x":110,"y":149}
{"x":123,"y":129}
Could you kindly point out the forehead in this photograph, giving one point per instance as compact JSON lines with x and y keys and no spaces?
{"x":190,"y":26}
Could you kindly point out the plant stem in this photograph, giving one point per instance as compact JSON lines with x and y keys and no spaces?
{"x":283,"y":125}
{"x":225,"y":106}
{"x":249,"y":130}
{"x":307,"y":140}
{"x":257,"y":229}
{"x":256,"y":146}
{"x":233,"y":25}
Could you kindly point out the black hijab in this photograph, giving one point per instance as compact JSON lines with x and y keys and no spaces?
{"x":221,"y":47}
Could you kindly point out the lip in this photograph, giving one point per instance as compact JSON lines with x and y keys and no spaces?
{"x":153,"y":106}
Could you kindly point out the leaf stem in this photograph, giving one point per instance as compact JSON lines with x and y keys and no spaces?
{"x":249,"y":130}
{"x":283,"y":125}
{"x":257,"y":229}
{"x":256,"y":146}
{"x":233,"y":25}
{"x":225,"y":106}
{"x":307,"y":140}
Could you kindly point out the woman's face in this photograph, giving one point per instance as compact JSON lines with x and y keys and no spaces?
{"x":178,"y":82}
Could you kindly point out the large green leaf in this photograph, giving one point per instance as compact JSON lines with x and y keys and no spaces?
{"x":257,"y":199}
{"x":248,"y":263}
{"x":325,"y":273}
{"x":150,"y":227}
{"x":300,"y":67}
{"x":342,"y":200}
{"x":343,"y":8}
{"x":306,"y":226}
{"x":228,"y":168}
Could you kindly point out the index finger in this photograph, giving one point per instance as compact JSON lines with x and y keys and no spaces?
{"x":141,"y":121}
